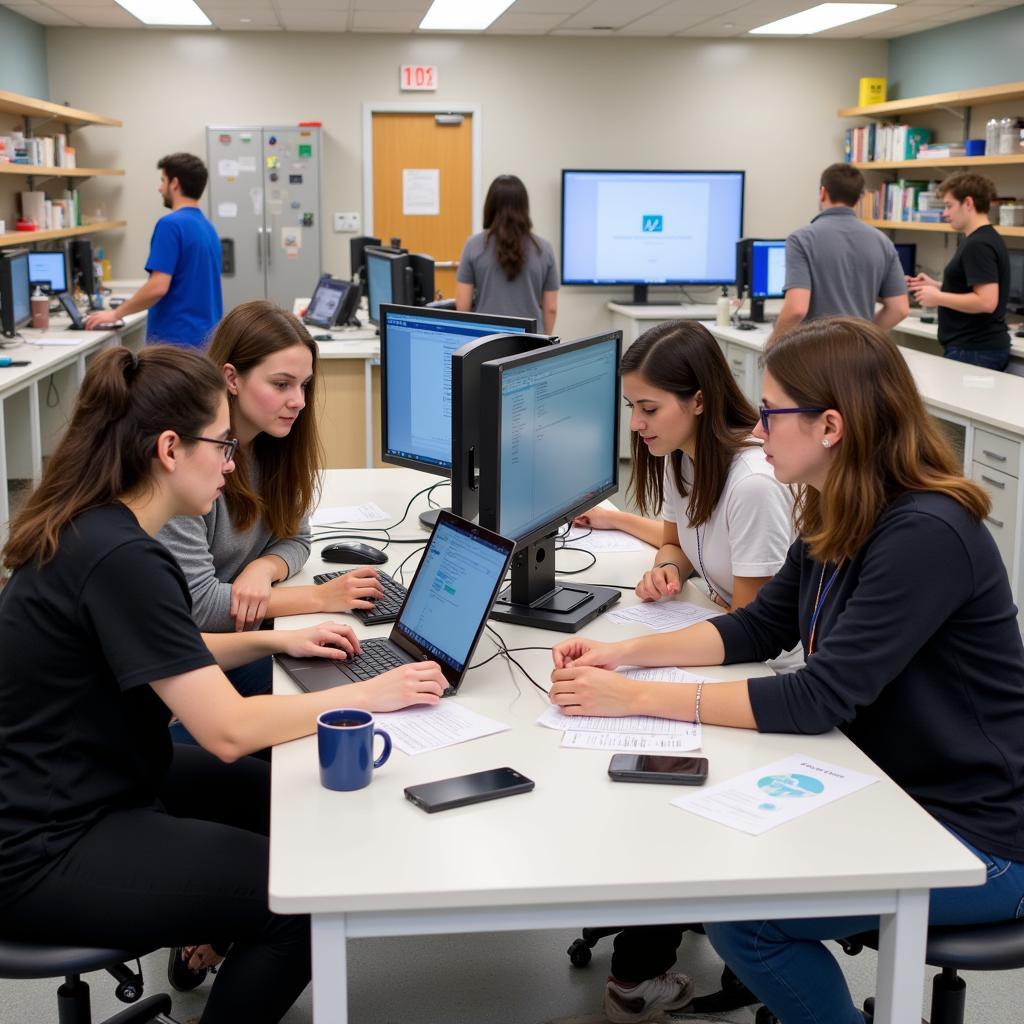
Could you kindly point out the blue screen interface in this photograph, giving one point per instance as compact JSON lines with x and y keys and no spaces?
{"x":767,"y":269}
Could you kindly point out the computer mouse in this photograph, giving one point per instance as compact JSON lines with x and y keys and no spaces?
{"x":746,"y":325}
{"x":1019,"y":334}
{"x":354,"y":554}
{"x":323,"y":337}
{"x":115,"y":302}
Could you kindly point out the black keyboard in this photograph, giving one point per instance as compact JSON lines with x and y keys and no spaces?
{"x":385,"y":609}
{"x":377,"y":657}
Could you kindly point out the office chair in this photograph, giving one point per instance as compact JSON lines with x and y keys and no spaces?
{"x":732,"y":995}
{"x":976,"y":947}
{"x":23,"y":960}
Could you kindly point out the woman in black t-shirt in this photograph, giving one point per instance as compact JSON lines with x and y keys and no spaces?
{"x":106,"y":838}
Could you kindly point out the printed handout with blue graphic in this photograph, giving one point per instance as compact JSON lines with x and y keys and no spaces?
{"x":657,"y":232}
{"x":779,"y":792}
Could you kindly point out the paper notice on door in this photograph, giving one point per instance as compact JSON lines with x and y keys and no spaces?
{"x":227,"y":168}
{"x":256,"y":198}
{"x":291,"y":238}
{"x":227,"y":209}
{"x":247,"y":165}
{"x":421,"y":192}
{"x":779,"y":792}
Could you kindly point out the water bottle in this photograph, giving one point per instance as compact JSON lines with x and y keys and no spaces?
{"x":723,"y":308}
{"x":992,"y":136}
{"x":1007,"y":136}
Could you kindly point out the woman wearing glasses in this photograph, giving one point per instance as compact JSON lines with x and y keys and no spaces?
{"x":257,"y":532}
{"x":901,"y":600}
{"x":109,"y":834}
{"x":722,"y":511}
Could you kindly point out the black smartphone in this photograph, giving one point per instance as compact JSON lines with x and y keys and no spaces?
{"x":468,"y":789}
{"x":665,"y":768}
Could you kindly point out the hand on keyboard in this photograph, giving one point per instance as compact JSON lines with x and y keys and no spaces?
{"x":419,"y":682}
{"x":357,"y":588}
{"x":324,"y":640}
{"x":379,"y":609}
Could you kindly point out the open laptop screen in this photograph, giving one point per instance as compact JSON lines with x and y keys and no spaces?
{"x":451,"y":596}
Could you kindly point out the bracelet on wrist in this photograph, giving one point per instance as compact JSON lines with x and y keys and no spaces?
{"x":675,"y":565}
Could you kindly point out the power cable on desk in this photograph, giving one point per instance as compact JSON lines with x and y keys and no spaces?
{"x":507,"y":652}
{"x":399,"y":570}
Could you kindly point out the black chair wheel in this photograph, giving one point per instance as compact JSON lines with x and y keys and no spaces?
{"x":869,"y":1009}
{"x":579,"y":953}
{"x":765,"y":1016}
{"x":129,"y":990}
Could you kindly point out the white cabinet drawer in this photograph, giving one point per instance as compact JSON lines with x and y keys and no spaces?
{"x":1002,"y":520}
{"x":997,"y":452}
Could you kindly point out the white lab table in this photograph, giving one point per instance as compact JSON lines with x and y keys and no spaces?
{"x":581,"y":850}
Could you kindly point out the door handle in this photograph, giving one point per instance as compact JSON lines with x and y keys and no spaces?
{"x":994,"y":483}
{"x":266,"y":235}
{"x":446,"y":264}
{"x":259,"y":248}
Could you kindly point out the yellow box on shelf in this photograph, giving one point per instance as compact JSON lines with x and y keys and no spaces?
{"x":872,"y":90}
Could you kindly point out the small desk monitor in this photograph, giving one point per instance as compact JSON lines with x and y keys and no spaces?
{"x":49,"y":270}
{"x":82,"y":265}
{"x":761,"y":270}
{"x":907,"y":252}
{"x":416,"y":347}
{"x":1015,"y":296}
{"x":387,"y":282}
{"x":329,"y":302}
{"x":15,"y":293}
{"x":549,"y":439}
{"x":357,"y":255}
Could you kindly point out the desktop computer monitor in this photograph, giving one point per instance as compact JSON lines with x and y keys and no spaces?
{"x":907,"y":252}
{"x":82,"y":265}
{"x":422,"y":269}
{"x":549,"y":450}
{"x":15,"y":292}
{"x":417,"y":403}
{"x":387,"y":282}
{"x":333,"y":303}
{"x":761,"y":271}
{"x":357,"y":255}
{"x":1015,"y":296}
{"x":645,"y":228}
{"x":49,"y":271}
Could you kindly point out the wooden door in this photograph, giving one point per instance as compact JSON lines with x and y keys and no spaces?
{"x":417,"y":141}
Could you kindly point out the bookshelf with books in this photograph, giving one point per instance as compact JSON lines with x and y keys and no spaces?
{"x":27,"y":153}
{"x":894,"y":147}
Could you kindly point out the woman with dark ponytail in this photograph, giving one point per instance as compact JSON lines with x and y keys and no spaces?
{"x":108,"y":836}
{"x":511,"y":269}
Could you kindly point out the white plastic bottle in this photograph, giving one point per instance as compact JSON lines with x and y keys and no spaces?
{"x":723,"y":308}
{"x":992,"y":134}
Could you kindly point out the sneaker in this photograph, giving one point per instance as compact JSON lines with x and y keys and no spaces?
{"x":180,"y":976}
{"x":647,"y":1000}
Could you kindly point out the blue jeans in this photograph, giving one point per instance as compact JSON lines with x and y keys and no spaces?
{"x":249,"y":680}
{"x":786,"y":965}
{"x":990,"y":360}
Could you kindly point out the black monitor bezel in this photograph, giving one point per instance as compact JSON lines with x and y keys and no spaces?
{"x":327,"y":283}
{"x":490,"y":436}
{"x":65,"y":259}
{"x":398,"y":262}
{"x":501,"y":324}
{"x":645,"y":282}
{"x":8,"y":325}
{"x":1015,"y":302}
{"x":83,"y":267}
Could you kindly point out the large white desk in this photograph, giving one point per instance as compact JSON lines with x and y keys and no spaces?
{"x":581,"y":850}
{"x":36,"y":401}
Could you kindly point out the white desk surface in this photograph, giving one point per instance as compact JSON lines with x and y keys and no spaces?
{"x":578,"y":837}
{"x":973,"y":392}
{"x":913,"y":325}
{"x":680,"y":311}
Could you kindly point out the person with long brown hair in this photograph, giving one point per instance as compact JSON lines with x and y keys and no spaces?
{"x":696,"y":465}
{"x":257,"y":532}
{"x":110,"y":835}
{"x":506,"y":268}
{"x":901,"y":600}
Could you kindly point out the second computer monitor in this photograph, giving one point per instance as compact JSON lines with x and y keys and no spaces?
{"x":15,"y":304}
{"x":49,"y":271}
{"x":416,"y":347}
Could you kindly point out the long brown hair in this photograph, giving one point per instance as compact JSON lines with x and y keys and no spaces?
{"x":125,"y":403}
{"x":890,"y":445}
{"x":288,"y":465}
{"x":507,"y":223}
{"x":681,"y":356}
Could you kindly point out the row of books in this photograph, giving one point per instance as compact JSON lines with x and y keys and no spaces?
{"x":41,"y":151}
{"x":52,"y":214}
{"x":903,"y":200}
{"x":884,"y":142}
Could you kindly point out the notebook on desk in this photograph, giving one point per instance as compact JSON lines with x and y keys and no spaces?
{"x":441,"y":619}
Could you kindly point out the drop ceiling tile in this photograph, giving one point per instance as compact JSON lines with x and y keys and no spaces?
{"x":316,"y":21}
{"x":526,"y":24}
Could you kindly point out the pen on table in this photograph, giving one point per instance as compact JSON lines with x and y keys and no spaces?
{"x":8,"y":361}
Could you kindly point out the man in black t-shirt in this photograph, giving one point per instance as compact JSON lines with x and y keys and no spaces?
{"x":976,"y":281}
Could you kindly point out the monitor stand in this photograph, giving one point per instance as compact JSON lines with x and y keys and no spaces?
{"x":534,"y":599}
{"x":757,"y":310}
{"x":428,"y":519}
{"x":639,"y":296}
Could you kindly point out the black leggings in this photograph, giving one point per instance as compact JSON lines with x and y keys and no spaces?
{"x":193,"y":872}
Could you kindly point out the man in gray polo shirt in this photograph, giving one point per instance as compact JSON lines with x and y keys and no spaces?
{"x":839,"y":266}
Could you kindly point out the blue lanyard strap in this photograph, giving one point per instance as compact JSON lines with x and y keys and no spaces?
{"x":819,"y":604}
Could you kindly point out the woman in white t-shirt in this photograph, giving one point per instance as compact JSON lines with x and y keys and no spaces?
{"x":695,"y":463}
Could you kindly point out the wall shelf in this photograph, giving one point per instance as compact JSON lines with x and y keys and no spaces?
{"x":938,"y":101}
{"x":27,"y":237}
{"x":26,"y":106}
{"x":950,"y":161}
{"x":32,"y":170}
{"x":909,"y":225}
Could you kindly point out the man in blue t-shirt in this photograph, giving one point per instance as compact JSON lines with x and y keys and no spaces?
{"x":183,"y":291}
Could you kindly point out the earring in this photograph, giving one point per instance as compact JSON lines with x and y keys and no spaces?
{"x":826,"y":443}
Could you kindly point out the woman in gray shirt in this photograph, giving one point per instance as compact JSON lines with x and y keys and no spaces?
{"x":511,"y":269}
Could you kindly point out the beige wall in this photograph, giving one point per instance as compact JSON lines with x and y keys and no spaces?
{"x":547,"y":103}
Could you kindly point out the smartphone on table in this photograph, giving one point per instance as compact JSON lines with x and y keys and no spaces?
{"x":468,"y":789}
{"x":664,"y":768}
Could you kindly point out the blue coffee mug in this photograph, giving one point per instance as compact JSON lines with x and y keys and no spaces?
{"x":345,"y":741}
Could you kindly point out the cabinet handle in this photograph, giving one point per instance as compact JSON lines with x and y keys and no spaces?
{"x":994,"y":521}
{"x":259,"y":248}
{"x":993,"y":455}
{"x":994,"y":483}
